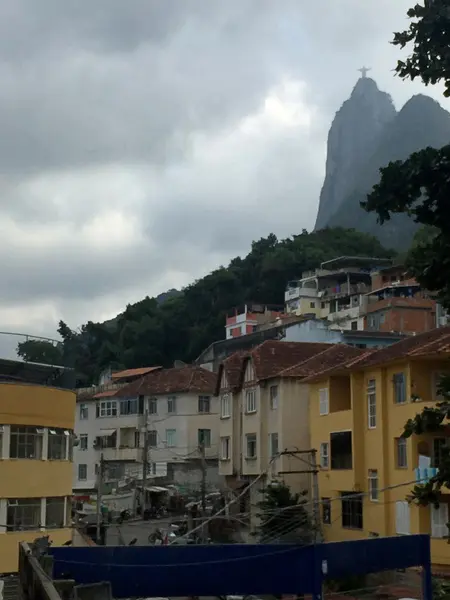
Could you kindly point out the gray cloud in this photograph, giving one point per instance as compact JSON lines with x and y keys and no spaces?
{"x":146,"y":142}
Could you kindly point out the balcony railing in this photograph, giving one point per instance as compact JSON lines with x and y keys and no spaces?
{"x":424,"y":474}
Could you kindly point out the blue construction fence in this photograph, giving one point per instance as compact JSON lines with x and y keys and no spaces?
{"x":241,"y":569}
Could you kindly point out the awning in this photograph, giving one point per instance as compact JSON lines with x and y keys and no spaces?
{"x":156,"y":489}
{"x":107,"y":432}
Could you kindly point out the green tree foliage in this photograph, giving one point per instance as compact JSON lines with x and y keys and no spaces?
{"x":41,"y":351}
{"x":420,"y":187}
{"x":157,"y":333}
{"x":283,"y":516}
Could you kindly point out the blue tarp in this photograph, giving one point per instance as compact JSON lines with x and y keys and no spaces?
{"x":212,"y":570}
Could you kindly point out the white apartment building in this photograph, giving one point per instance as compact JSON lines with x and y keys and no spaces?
{"x":177,"y":409}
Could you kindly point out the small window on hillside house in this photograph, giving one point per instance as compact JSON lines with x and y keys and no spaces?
{"x":399,"y":381}
{"x":225,"y":406}
{"x":352,"y":510}
{"x":172,"y":404}
{"x":341,"y":450}
{"x":401,"y":453}
{"x":324,"y":405}
{"x":250,"y":401}
{"x":273,"y":392}
{"x":249,"y":372}
{"x":371,"y":404}
{"x":204,"y":404}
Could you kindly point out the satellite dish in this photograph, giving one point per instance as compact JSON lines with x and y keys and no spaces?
{"x":178,"y":364}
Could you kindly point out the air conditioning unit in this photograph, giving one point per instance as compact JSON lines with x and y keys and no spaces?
{"x":98,"y":442}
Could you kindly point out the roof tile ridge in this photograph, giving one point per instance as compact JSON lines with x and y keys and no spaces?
{"x":302,"y":362}
{"x":424,"y":346}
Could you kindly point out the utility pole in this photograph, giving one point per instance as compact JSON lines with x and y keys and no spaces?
{"x":203,"y":486}
{"x":100,"y":477}
{"x":145,"y":464}
{"x":315,"y":496}
{"x":311,"y":461}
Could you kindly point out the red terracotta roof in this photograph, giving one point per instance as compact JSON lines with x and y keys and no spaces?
{"x":132,"y":372}
{"x":272,"y":356}
{"x":336,"y":355}
{"x":436,"y":341}
{"x":269,"y":359}
{"x":341,"y":369}
{"x":106,"y":394}
{"x":232,"y":367}
{"x":190,"y":378}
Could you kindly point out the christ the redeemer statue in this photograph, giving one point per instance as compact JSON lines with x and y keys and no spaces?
{"x":364,"y":71}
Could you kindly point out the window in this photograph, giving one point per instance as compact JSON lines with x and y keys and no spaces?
{"x":225,"y":406}
{"x":399,"y":388}
{"x":83,"y":441}
{"x":55,"y":513}
{"x":171,"y":437}
{"x":322,"y":304}
{"x":153,"y":406}
{"x":354,"y":325}
{"x":438,"y":381}
{"x":225,"y":448}
{"x":373,"y":485}
{"x":153,"y":438}
{"x":402,"y":518}
{"x":107,"y":408}
{"x":172,"y":404}
{"x":401,"y":453}
{"x":137,"y":439}
{"x":312,"y":305}
{"x":58,"y":440}
{"x":273,"y":393}
{"x":341,"y":450}
{"x":324,"y":407}
{"x":204,"y":404}
{"x":326,"y":511}
{"x":108,"y":440}
{"x":250,"y":401}
{"x":204,"y":438}
{"x":23,"y":514}
{"x":352,"y":510}
{"x":251,"y":445}
{"x":129,"y":406}
{"x":439,"y":446}
{"x":82,"y":472}
{"x":273,"y":444}
{"x":26,"y":442}
{"x":84,"y":412}
{"x":324,"y":455}
{"x":371,"y":404}
{"x":439,"y":520}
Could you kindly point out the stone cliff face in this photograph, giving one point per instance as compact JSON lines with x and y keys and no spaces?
{"x":353,"y":137}
{"x":422,"y":122}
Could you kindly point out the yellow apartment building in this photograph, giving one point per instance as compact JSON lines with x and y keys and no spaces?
{"x":367,"y":470}
{"x":36,"y":435}
{"x":264,"y":410}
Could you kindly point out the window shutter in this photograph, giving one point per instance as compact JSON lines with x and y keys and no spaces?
{"x":97,"y":410}
{"x":402,"y":518}
{"x":439,"y":520}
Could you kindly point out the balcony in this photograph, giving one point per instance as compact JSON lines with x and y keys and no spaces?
{"x":122,"y":454}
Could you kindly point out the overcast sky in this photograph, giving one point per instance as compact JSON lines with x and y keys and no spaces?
{"x":145,"y":142}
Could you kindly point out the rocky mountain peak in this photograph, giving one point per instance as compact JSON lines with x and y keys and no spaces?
{"x":354,"y":134}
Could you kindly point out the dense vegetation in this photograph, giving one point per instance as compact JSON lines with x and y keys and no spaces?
{"x":154,"y":333}
{"x":283,"y":516}
{"x":420,"y":188}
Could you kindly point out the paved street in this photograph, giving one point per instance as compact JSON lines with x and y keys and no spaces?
{"x":134,"y":529}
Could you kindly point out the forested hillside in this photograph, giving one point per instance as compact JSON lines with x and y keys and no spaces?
{"x":154,"y":333}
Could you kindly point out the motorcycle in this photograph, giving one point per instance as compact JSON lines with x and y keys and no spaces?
{"x":124,"y":516}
